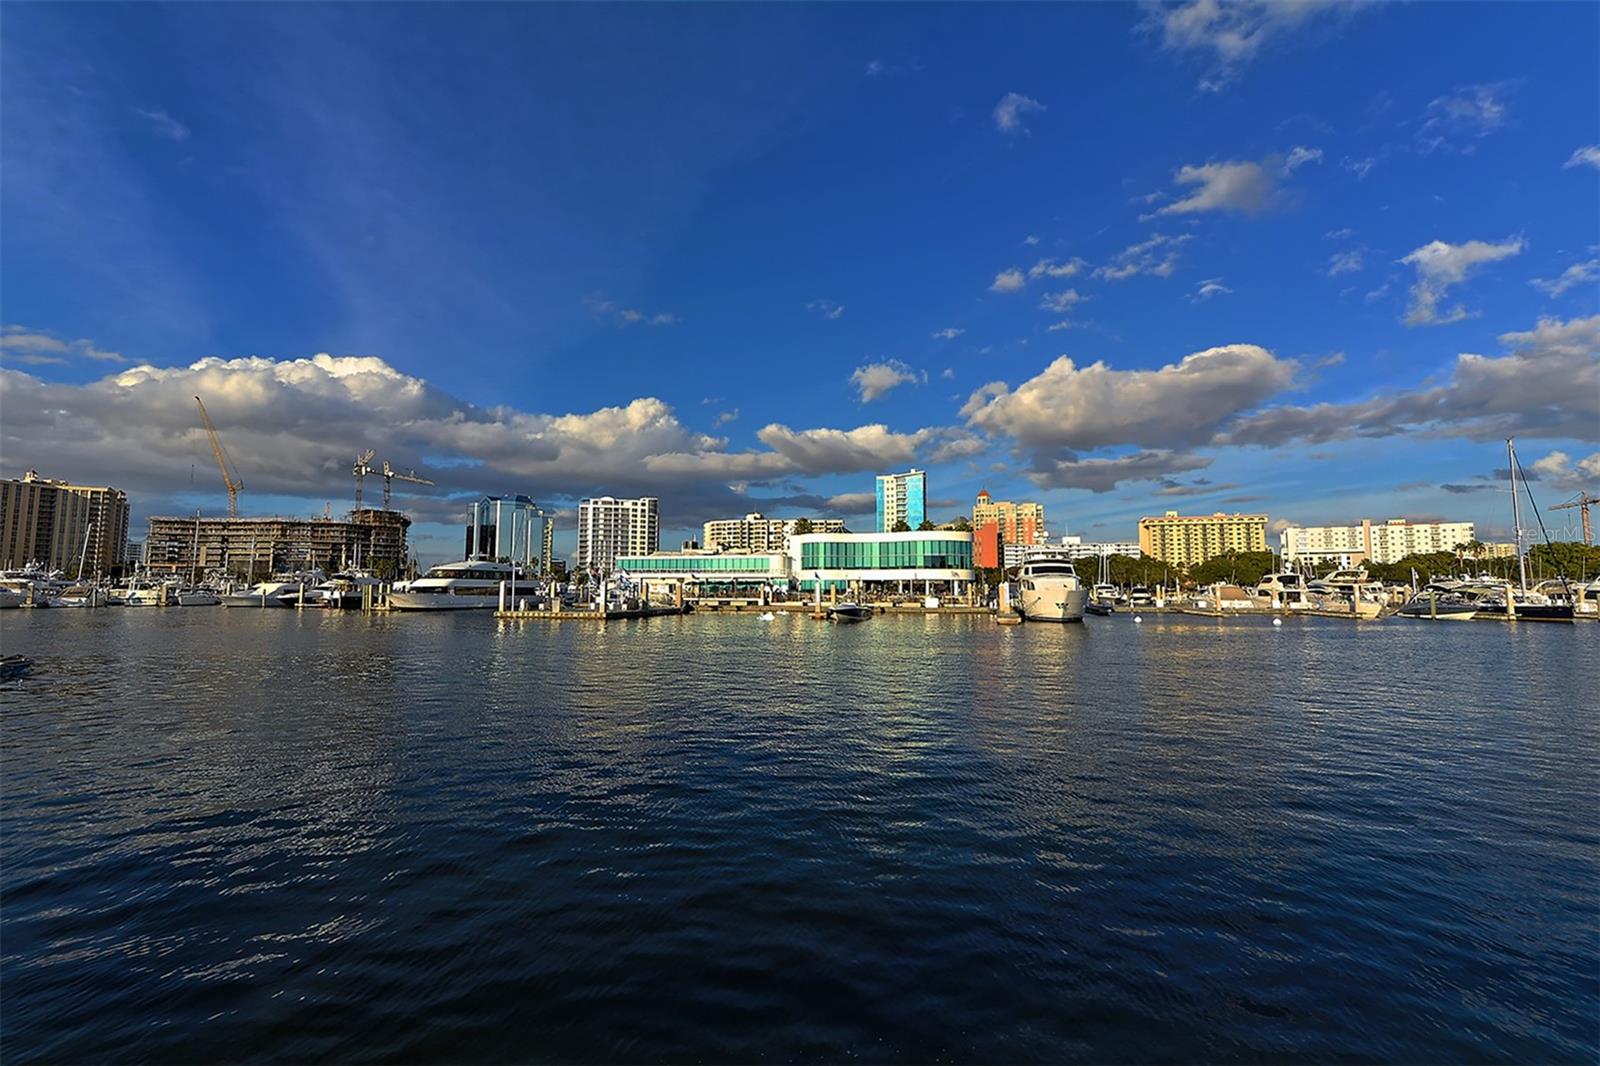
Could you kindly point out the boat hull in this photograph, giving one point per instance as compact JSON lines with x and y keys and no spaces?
{"x":849,"y":614}
{"x":440,"y":601}
{"x":1048,"y":603}
{"x":255,"y":601}
{"x":1554,"y":612}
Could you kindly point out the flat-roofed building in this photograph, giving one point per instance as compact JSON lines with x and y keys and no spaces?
{"x":1002,"y":524}
{"x":1378,"y":542}
{"x":707,"y":574}
{"x":60,"y":524}
{"x":758,"y":533}
{"x":924,"y":562}
{"x":510,"y":529}
{"x":902,"y":498}
{"x":609,"y":527}
{"x":252,"y":548}
{"x":1077,"y":548}
{"x":1184,"y":540}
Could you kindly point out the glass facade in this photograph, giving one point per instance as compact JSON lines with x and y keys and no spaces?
{"x":922,"y":553}
{"x":700,"y":565}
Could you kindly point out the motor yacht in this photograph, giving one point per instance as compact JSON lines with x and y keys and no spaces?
{"x":192,"y":596}
{"x":1049,"y":590}
{"x":472,"y":584}
{"x":82,"y":595}
{"x":10,"y":597}
{"x":1442,"y":601}
{"x":274,"y":592}
{"x":34,"y":583}
{"x":1285,"y":588}
{"x":343,"y":590}
{"x":849,"y":612}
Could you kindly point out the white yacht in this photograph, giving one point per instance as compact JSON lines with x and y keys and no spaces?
{"x":81,"y":595}
{"x":343,"y":589}
{"x":274,"y":592}
{"x":192,"y":596}
{"x":472,"y":584}
{"x":1048,"y":590}
{"x":1283,"y":589}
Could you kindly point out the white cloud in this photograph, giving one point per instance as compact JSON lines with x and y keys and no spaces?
{"x":1558,"y":470}
{"x":1008,"y":281}
{"x":727,"y":416}
{"x":875,"y":379}
{"x":610,"y":311}
{"x":1233,"y":33}
{"x":1055,"y":327}
{"x":1441,"y":266}
{"x":1359,"y":167}
{"x":1588,"y":156}
{"x":1299,"y":157}
{"x":1584,"y":273}
{"x":1457,"y":121}
{"x":948,"y":373}
{"x":1096,"y":406}
{"x":826,"y":308}
{"x":1350,"y":262}
{"x":1031,"y":239}
{"x":163,"y":124}
{"x":949,"y":333}
{"x":19,"y":344}
{"x":1061,"y":302}
{"x":1009,"y":111}
{"x":1342,"y":234}
{"x":1158,"y":256}
{"x":1209,"y":288}
{"x":1103,"y":475}
{"x":1049,"y":268}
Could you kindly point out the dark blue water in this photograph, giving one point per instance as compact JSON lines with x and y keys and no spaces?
{"x":246,"y":835}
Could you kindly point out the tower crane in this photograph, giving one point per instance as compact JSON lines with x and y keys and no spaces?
{"x":230,"y":476}
{"x":362,"y":468}
{"x":1582,"y":501}
{"x":391,"y":475}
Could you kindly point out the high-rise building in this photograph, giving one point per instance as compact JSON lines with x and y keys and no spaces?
{"x":758,"y":533}
{"x":1074,"y":547}
{"x":60,"y":524}
{"x":1014,"y":524}
{"x":1183,"y":540}
{"x":510,"y":529}
{"x":1386,"y":542}
{"x":253,"y":548}
{"x":902,"y":498}
{"x":609,"y":527}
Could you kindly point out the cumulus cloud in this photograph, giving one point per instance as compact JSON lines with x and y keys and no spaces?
{"x":293,"y":426}
{"x":949,"y":333}
{"x":1456,"y":122}
{"x":1545,"y":388}
{"x":1103,"y":475}
{"x":1231,"y":34}
{"x":1439,"y":267}
{"x":875,"y":379}
{"x":1209,"y":288}
{"x":1049,"y":268}
{"x":1008,"y":281}
{"x":1558,"y":469}
{"x":1061,"y":302}
{"x":725,"y":417}
{"x":1587,"y":156}
{"x":826,"y":308}
{"x":1349,"y":262}
{"x":1236,"y":186}
{"x":1158,"y":256}
{"x":1584,"y":273}
{"x":1095,"y":406}
{"x":1009,"y":111}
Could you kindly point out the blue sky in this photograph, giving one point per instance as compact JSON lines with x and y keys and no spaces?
{"x":746,"y":256}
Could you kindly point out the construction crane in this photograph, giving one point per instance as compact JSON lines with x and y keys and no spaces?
{"x":362,"y":468}
{"x":1582,"y":501}
{"x":230,"y":476}
{"x":391,"y":475}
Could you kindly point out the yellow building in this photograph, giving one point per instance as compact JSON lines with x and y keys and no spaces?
{"x":1183,"y":540}
{"x":60,"y":524}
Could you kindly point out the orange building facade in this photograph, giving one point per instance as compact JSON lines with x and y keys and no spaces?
{"x":996,"y":523}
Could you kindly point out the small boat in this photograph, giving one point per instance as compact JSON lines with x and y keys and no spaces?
{"x":14,"y":666}
{"x":849,"y":612}
{"x":79,"y":596}
{"x":1441,"y":602}
{"x":1100,"y":607}
{"x":189,"y":596}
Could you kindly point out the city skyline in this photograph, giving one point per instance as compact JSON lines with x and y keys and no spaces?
{"x":1088,"y":255}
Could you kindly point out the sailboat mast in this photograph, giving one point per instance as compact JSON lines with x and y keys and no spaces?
{"x":1516,"y":512}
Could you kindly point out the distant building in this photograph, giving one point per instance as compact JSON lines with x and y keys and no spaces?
{"x":509,"y":528}
{"x":931,"y":561}
{"x":758,"y":533}
{"x":1385,"y":542}
{"x":253,"y":548}
{"x":1184,"y":540}
{"x":902,"y":498}
{"x":50,"y":522}
{"x":998,"y":523}
{"x":1076,"y":548}
{"x":711,"y":574}
{"x":609,"y":527}
{"x":1499,"y":550}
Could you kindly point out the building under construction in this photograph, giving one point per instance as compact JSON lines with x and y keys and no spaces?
{"x":253,"y":548}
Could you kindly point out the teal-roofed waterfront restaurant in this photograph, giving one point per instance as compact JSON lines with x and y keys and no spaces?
{"x":712,"y":574}
{"x":870,"y":565}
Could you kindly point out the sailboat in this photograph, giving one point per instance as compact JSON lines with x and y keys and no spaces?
{"x":1520,"y":602}
{"x":1103,"y":597}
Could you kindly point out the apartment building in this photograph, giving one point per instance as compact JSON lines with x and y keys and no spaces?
{"x":58,"y":524}
{"x":609,"y":527}
{"x":1184,"y":540}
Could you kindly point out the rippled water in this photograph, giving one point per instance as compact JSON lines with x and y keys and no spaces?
{"x":235,"y":834}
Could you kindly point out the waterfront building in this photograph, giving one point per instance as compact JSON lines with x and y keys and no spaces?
{"x":1378,"y":542}
{"x":758,"y":533}
{"x":932,"y":561}
{"x":902,"y":498}
{"x":1184,"y":540}
{"x":1076,"y":548}
{"x":253,"y":548}
{"x":1499,"y":550}
{"x":710,"y":574}
{"x":509,"y":529}
{"x":998,"y":523}
{"x":609,"y":527}
{"x":48,"y":522}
